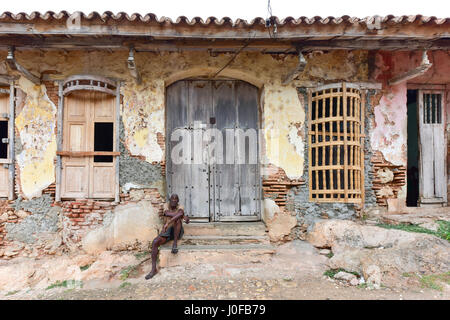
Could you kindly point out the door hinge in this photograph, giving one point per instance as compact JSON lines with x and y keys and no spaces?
{"x":6,"y":165}
{"x":5,"y":115}
{"x":5,"y":140}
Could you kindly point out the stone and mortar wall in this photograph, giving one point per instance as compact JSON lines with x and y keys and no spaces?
{"x":307,"y":212}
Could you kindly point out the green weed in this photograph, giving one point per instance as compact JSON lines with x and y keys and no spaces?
{"x":141,"y":255}
{"x":10,"y":293}
{"x":82,"y":268}
{"x":125,"y":284}
{"x":126,"y":272}
{"x":431,"y":281}
{"x":66,"y":284}
{"x":442,"y":232}
{"x":407,"y":275}
{"x":444,"y":229}
{"x":332,"y":272}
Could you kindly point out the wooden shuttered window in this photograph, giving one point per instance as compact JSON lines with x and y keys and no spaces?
{"x":336,"y":140}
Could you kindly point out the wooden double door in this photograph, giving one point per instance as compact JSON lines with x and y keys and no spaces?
{"x":88,"y":128}
{"x":219,"y":119}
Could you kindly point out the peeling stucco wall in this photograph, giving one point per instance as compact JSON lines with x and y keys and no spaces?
{"x":338,"y":65}
{"x":142,"y":109}
{"x":389,"y":135}
{"x":135,"y":173}
{"x":36,"y":127}
{"x":143,"y":118}
{"x":284,"y":117}
{"x":390,"y":132}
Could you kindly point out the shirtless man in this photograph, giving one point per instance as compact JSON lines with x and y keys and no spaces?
{"x":173,"y":213}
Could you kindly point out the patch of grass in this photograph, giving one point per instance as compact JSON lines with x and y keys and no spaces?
{"x":330,"y":255}
{"x":431,"y":280}
{"x":57,"y":284}
{"x":141,"y":255}
{"x":332,"y":272}
{"x":126,"y":272}
{"x":442,"y":232}
{"x":83,"y":268}
{"x":65,"y":284}
{"x":124,"y":285}
{"x":407,"y":275}
{"x":444,"y":229}
{"x":10,"y":293}
{"x":362,"y":285}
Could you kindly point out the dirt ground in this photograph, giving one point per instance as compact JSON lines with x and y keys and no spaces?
{"x":257,"y":281}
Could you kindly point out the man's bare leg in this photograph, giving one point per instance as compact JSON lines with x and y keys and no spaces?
{"x":155,"y":245}
{"x":176,"y":233}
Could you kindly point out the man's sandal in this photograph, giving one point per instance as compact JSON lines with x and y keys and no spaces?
{"x":174,"y":250}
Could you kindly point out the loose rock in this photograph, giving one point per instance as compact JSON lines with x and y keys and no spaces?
{"x":345,"y":276}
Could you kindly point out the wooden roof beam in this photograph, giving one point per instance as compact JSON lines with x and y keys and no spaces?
{"x":409,"y":44}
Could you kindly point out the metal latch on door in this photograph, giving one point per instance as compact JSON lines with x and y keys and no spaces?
{"x":5,"y":140}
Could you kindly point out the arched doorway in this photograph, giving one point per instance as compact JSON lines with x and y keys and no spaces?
{"x":218,"y":178}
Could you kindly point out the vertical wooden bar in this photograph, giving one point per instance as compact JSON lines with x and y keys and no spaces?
{"x":11,"y":156}
{"x":324,"y":99}
{"x":331,"y":167}
{"x":309,"y":142}
{"x":344,"y":109}
{"x":59,"y":139}
{"x":316,"y":162}
{"x":330,"y":135}
{"x":361,"y":167}
{"x":338,"y":110}
{"x":117,"y":142}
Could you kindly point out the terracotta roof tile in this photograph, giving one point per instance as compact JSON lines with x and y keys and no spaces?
{"x":150,"y":17}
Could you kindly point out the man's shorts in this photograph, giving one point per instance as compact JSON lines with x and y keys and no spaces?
{"x":170,"y":232}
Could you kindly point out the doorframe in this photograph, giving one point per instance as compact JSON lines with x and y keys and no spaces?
{"x":97,"y":83}
{"x":9,"y":162}
{"x":445,"y":90}
{"x":259,"y":199}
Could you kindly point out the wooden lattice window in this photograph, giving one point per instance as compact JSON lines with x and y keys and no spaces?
{"x":336,"y":158}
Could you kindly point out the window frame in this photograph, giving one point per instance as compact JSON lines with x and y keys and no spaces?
{"x":352,"y":188}
{"x":8,"y":162}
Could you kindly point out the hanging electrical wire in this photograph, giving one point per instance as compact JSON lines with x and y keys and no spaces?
{"x":271,"y":21}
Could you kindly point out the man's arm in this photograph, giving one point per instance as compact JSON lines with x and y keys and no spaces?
{"x":174,"y":218}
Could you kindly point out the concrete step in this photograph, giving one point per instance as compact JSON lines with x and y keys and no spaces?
{"x":229,"y":254}
{"x":220,"y":240}
{"x":225,"y":229}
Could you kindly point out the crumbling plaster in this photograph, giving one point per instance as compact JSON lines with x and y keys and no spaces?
{"x":390,"y":131}
{"x":36,"y":127}
{"x":142,"y":109}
